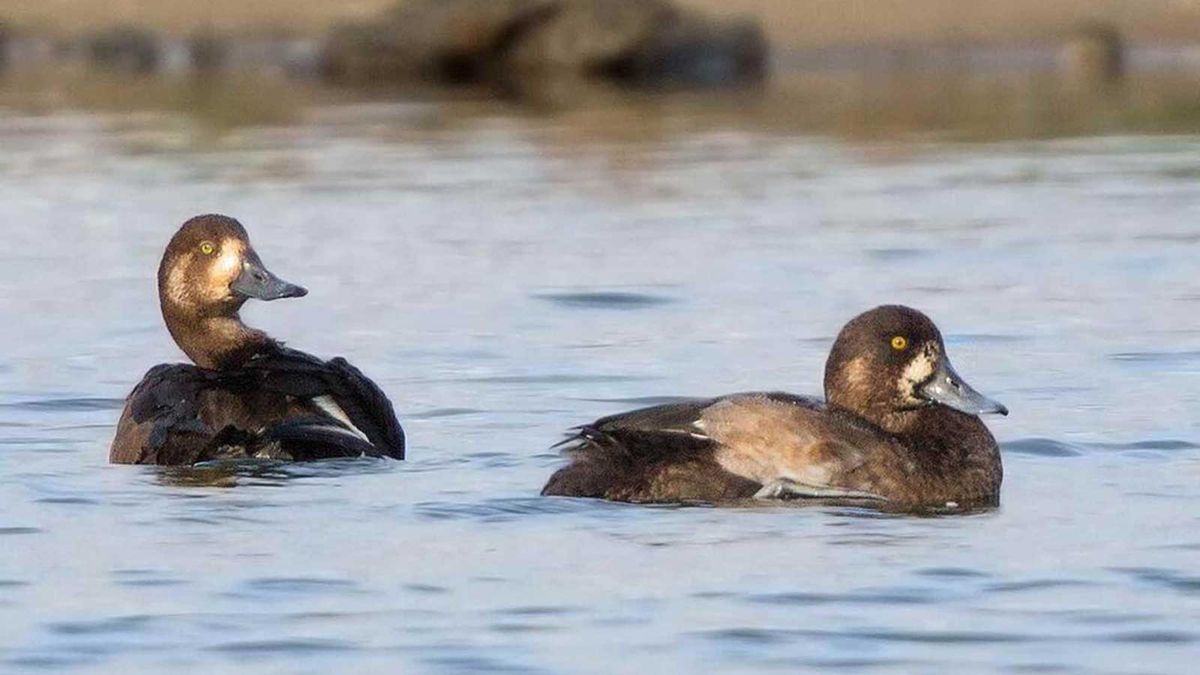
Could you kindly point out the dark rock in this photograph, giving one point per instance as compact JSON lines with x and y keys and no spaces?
{"x":5,"y":43}
{"x":207,"y":52}
{"x":502,"y":41}
{"x":588,"y":36}
{"x":126,"y":49}
{"x":697,"y":52}
{"x":461,"y":40}
{"x":364,"y":53}
{"x":441,"y":40}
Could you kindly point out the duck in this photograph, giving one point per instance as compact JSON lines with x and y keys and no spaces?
{"x":245,"y":395}
{"x":898,"y":429}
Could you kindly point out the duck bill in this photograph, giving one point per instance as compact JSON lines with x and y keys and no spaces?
{"x":948,"y":389}
{"x":256,"y":281}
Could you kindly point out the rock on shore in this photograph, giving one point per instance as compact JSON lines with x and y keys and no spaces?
{"x":634,"y":41}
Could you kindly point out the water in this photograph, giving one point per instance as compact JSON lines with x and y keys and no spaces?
{"x":504,"y":276}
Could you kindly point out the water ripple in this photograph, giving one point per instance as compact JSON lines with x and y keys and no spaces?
{"x":1162,"y":577}
{"x":1164,"y":444}
{"x":1036,"y":585}
{"x":1158,"y":358}
{"x":110,"y":626}
{"x":605,"y":300}
{"x":1152,"y":637}
{"x":952,"y":573}
{"x":145,"y":579}
{"x":443,"y":412}
{"x":73,"y":501}
{"x":893,"y":597}
{"x":68,"y":404}
{"x":291,"y":647}
{"x":897,"y":254}
{"x":771,"y":636}
{"x":560,"y":378}
{"x":500,"y":510}
{"x":640,"y":401}
{"x":474,"y":663}
{"x":984,"y":339}
{"x":1041,"y":447}
{"x":265,"y":588}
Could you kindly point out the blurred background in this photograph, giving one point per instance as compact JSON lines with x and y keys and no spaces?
{"x":973,"y":69}
{"x":519,"y":215}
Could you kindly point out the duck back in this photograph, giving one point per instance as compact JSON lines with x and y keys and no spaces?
{"x":282,"y":404}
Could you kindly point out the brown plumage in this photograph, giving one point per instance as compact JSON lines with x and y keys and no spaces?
{"x":899,"y":430}
{"x":247,"y":395}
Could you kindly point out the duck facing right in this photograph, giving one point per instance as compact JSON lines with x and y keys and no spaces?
{"x":898,"y":429}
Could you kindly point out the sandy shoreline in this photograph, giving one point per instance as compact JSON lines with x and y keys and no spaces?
{"x":790,"y":23}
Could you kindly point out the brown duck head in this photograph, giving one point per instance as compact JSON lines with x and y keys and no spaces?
{"x":208,"y":272}
{"x":889,"y":365}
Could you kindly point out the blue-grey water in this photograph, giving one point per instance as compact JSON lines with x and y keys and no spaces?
{"x":506,"y":276}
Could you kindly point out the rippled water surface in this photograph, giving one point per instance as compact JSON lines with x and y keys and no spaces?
{"x":506,"y":276}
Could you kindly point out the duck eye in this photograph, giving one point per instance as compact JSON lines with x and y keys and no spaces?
{"x":207,"y":248}
{"x":899,"y":343}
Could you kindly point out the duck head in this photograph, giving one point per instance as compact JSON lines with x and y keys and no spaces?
{"x":209,"y":270}
{"x":890,"y":363}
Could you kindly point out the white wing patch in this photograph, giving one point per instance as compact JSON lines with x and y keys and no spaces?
{"x":789,"y":489}
{"x":331,"y":408}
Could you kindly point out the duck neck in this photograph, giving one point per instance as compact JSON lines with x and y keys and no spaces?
{"x":951,"y":444}
{"x":215,"y":342}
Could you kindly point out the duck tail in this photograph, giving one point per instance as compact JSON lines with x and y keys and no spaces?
{"x":600,"y":460}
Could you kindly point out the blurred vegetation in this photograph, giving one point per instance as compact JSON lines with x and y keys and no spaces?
{"x":946,"y":106}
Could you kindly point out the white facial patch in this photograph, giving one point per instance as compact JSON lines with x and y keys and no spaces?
{"x":229,"y":263}
{"x":918,"y":370}
{"x":177,"y":287}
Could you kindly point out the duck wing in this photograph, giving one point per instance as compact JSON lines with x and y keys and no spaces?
{"x":283,"y":404}
{"x":340,"y":395}
{"x":796,"y":447}
{"x":161,"y":422}
{"x":767,"y":444}
{"x":653,"y":454}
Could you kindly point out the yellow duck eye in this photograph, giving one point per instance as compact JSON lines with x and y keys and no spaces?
{"x":899,"y":343}
{"x":207,"y":248}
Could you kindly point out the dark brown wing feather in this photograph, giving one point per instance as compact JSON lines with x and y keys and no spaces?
{"x":654,"y":454}
{"x":181,"y":414}
{"x":304,"y":376}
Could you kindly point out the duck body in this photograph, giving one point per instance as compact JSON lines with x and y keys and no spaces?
{"x":900,"y":430}
{"x":247,"y":396}
{"x":773,"y":444}
{"x":282,"y":405}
